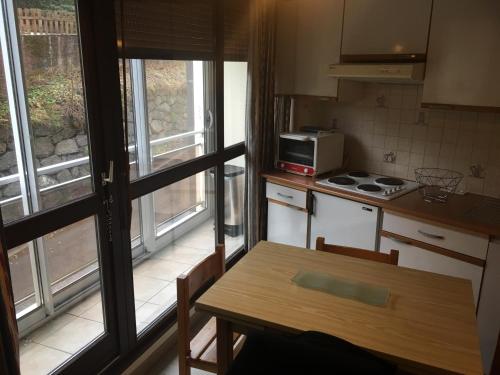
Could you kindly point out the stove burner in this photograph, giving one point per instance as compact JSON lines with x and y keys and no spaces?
{"x":340,"y":180}
{"x":389,"y":181}
{"x":369,"y":187}
{"x":359,"y":174}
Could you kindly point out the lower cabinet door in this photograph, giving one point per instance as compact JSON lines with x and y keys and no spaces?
{"x":286,"y":225}
{"x":420,"y":259}
{"x":343,"y":222}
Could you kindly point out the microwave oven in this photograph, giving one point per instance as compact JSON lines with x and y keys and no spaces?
{"x":310,"y":154}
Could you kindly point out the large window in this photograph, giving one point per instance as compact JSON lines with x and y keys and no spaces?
{"x":172,"y":122}
{"x":80,"y":293}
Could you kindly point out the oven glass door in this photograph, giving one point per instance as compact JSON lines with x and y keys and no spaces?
{"x":297,"y":151}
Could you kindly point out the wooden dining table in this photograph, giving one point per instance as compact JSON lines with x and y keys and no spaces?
{"x":428,"y":324}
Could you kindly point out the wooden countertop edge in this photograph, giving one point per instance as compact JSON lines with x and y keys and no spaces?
{"x":390,"y":206}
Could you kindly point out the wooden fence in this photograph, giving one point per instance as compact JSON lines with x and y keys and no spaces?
{"x":38,"y":21}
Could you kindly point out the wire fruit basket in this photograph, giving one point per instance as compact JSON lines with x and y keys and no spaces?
{"x":437,"y":183}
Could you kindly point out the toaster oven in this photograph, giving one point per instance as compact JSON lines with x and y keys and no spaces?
{"x":310,"y":154}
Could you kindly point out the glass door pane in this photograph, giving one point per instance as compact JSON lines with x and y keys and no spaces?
{"x":235,"y":101}
{"x":50,"y":52}
{"x":10,"y":188}
{"x":77,"y":324}
{"x":184,"y":224}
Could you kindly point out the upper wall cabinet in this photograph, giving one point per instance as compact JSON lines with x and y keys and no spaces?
{"x":464,"y":54}
{"x":308,"y":41}
{"x":385,"y":27}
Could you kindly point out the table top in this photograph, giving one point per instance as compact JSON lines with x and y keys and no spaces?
{"x":429,"y":320}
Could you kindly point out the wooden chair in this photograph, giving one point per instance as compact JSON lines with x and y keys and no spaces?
{"x":201,"y":351}
{"x":391,"y":258}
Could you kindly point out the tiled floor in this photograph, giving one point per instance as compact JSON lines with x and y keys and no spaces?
{"x":154,"y":293}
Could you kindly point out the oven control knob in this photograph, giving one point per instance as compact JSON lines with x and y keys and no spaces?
{"x":385,"y":192}
{"x":282,"y":165}
{"x":306,"y":170}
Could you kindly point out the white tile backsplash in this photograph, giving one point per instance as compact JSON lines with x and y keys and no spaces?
{"x":419,"y":137}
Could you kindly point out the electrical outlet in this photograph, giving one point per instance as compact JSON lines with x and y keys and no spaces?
{"x":390,"y":157}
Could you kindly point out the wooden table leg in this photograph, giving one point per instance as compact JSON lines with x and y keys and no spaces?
{"x":224,"y":346}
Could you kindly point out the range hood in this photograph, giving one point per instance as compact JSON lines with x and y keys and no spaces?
{"x":379,"y":72}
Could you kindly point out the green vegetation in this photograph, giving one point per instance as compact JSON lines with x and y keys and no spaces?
{"x":67,"y":5}
{"x":55,"y":98}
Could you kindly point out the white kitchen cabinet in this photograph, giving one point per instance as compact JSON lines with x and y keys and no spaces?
{"x":381,"y":27}
{"x":287,"y":217}
{"x":421,"y":259}
{"x":343,"y":222}
{"x":463,"y":56}
{"x":488,"y":315}
{"x":286,"y":225}
{"x":308,"y":40}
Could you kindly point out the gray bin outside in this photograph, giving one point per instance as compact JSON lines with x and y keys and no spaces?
{"x":234,"y":187}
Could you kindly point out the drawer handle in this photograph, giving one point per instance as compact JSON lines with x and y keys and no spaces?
{"x":367,"y":209}
{"x":285,"y":196}
{"x":430,"y":235}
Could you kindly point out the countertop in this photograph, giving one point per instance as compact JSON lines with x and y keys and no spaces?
{"x":470,"y":212}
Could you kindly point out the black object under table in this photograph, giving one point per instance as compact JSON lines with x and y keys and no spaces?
{"x":307,"y":353}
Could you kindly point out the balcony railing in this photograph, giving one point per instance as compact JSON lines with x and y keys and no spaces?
{"x":54,"y":168}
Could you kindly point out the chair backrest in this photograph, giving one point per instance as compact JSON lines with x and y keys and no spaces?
{"x":391,"y":258}
{"x":212,"y":267}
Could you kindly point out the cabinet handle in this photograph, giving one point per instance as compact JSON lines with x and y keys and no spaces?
{"x":430,"y":235}
{"x":367,"y":209}
{"x":284,"y":195}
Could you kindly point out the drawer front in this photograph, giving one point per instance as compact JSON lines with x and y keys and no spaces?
{"x":460,"y":242}
{"x":286,"y":195}
{"x":423,"y":260}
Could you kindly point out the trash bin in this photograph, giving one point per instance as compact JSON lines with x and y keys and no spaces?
{"x":234,"y":181}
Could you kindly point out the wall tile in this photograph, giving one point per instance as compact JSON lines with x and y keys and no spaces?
{"x":447,"y":139}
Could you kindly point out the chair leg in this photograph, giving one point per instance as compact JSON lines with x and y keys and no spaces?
{"x":184,"y":368}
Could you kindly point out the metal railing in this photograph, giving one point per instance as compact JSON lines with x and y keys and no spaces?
{"x":54,"y":168}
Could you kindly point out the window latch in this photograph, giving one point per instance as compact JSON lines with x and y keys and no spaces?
{"x":109,"y":178}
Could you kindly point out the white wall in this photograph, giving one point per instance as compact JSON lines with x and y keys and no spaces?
{"x":235,"y":94}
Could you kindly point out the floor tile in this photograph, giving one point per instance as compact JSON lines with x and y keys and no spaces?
{"x":182,"y":254}
{"x":85,"y":304}
{"x":146,"y":287}
{"x":37,"y":359}
{"x":161,"y":269}
{"x":95,"y":313}
{"x":165,"y":297}
{"x":73,"y":336}
{"x":52,"y":325}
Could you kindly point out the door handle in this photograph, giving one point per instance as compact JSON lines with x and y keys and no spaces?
{"x":430,"y":235}
{"x":108,"y":179}
{"x":284,"y":195}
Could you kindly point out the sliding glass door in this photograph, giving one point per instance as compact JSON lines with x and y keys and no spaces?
{"x":94,"y":279}
{"x":55,"y":186}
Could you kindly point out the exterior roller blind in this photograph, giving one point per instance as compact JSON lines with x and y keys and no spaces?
{"x":181,"y":29}
{"x":166,"y":29}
